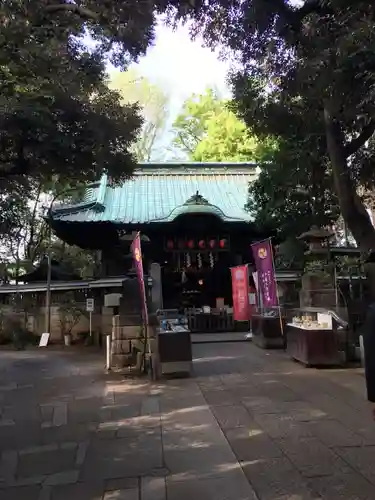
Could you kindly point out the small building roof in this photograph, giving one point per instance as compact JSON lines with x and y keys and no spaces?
{"x":162,"y":192}
{"x":40,"y":273}
{"x":63,"y":286}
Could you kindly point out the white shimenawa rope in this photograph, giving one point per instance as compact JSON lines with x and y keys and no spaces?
{"x":199,"y":258}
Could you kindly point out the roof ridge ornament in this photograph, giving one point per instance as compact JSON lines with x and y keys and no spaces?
{"x":197,"y":199}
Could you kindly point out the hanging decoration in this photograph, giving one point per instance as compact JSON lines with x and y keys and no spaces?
{"x":188,"y":259}
{"x":212,"y":260}
{"x":199,"y":261}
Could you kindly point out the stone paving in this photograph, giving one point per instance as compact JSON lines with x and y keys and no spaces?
{"x":250,"y":425}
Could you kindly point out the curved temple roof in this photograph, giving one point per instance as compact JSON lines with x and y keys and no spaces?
{"x":162,"y":192}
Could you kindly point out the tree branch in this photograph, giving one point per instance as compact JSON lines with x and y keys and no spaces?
{"x":355,"y":144}
{"x":75,"y":9}
{"x":294,"y":17}
{"x":31,"y":243}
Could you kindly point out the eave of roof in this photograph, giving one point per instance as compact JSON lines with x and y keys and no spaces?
{"x":158,"y":192}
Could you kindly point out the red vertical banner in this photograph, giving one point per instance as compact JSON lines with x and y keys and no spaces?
{"x":263,"y":258}
{"x":137,"y":256}
{"x":240,"y":292}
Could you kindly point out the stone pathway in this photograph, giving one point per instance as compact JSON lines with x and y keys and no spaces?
{"x":251,"y":425}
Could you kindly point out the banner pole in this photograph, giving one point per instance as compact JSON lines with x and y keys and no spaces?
{"x":277,"y":294}
{"x":140,"y":276}
{"x":260,"y":241}
{"x":249,"y":334}
{"x":258,"y":293}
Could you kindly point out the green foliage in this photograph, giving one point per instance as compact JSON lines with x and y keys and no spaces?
{"x":190,"y":126}
{"x":306,"y":77}
{"x":83,"y":263}
{"x":227,"y":139}
{"x":59,"y":121}
{"x":27,"y":241}
{"x":207,"y":130}
{"x":70,"y":313}
{"x":287,"y":197}
{"x":58,"y":118}
{"x":290,"y":255}
{"x":14,"y":331}
{"x":153,"y":102}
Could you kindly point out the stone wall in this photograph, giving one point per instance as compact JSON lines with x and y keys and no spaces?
{"x":35,"y":320}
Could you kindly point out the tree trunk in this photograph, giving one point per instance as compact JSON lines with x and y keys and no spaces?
{"x":352,"y":208}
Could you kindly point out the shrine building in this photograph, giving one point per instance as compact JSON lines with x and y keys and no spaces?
{"x":192,"y":220}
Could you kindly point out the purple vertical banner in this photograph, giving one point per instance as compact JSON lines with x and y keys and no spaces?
{"x":263,"y":257}
{"x":137,"y":256}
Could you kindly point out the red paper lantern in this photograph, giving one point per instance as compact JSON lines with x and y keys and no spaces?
{"x":190,"y":244}
{"x":202,"y":244}
{"x":170,"y":244}
{"x":212,"y":243}
{"x":223,"y":243}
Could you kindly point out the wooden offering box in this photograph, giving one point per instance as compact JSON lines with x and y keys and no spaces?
{"x":318,"y":343}
{"x":267,"y":331}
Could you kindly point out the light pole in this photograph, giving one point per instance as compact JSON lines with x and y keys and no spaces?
{"x":48,"y":291}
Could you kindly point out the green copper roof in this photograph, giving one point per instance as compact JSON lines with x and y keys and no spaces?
{"x":162,"y":192}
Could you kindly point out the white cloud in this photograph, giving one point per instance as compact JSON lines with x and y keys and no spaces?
{"x":182,"y":66}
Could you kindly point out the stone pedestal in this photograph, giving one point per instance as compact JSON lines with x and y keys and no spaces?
{"x":126,"y":326}
{"x":317,"y":290}
{"x":121,"y":345}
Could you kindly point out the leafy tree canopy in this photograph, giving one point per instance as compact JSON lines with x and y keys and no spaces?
{"x":58,"y":119}
{"x":307,"y":69}
{"x":208,"y":130}
{"x":154,"y":108}
{"x":287,"y":197}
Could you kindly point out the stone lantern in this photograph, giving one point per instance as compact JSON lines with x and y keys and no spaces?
{"x":317,"y":239}
{"x":318,"y":288}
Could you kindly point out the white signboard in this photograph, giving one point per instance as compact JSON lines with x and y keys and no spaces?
{"x":90,"y":305}
{"x":112,"y":299}
{"x":325,"y":319}
{"x":44,"y":340}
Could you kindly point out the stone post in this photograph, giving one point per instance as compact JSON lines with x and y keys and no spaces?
{"x":156,"y":290}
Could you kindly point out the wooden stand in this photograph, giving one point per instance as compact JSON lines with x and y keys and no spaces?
{"x":317,"y":347}
{"x":267,"y":332}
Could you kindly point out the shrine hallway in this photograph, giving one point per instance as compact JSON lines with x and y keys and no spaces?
{"x":250,"y":425}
